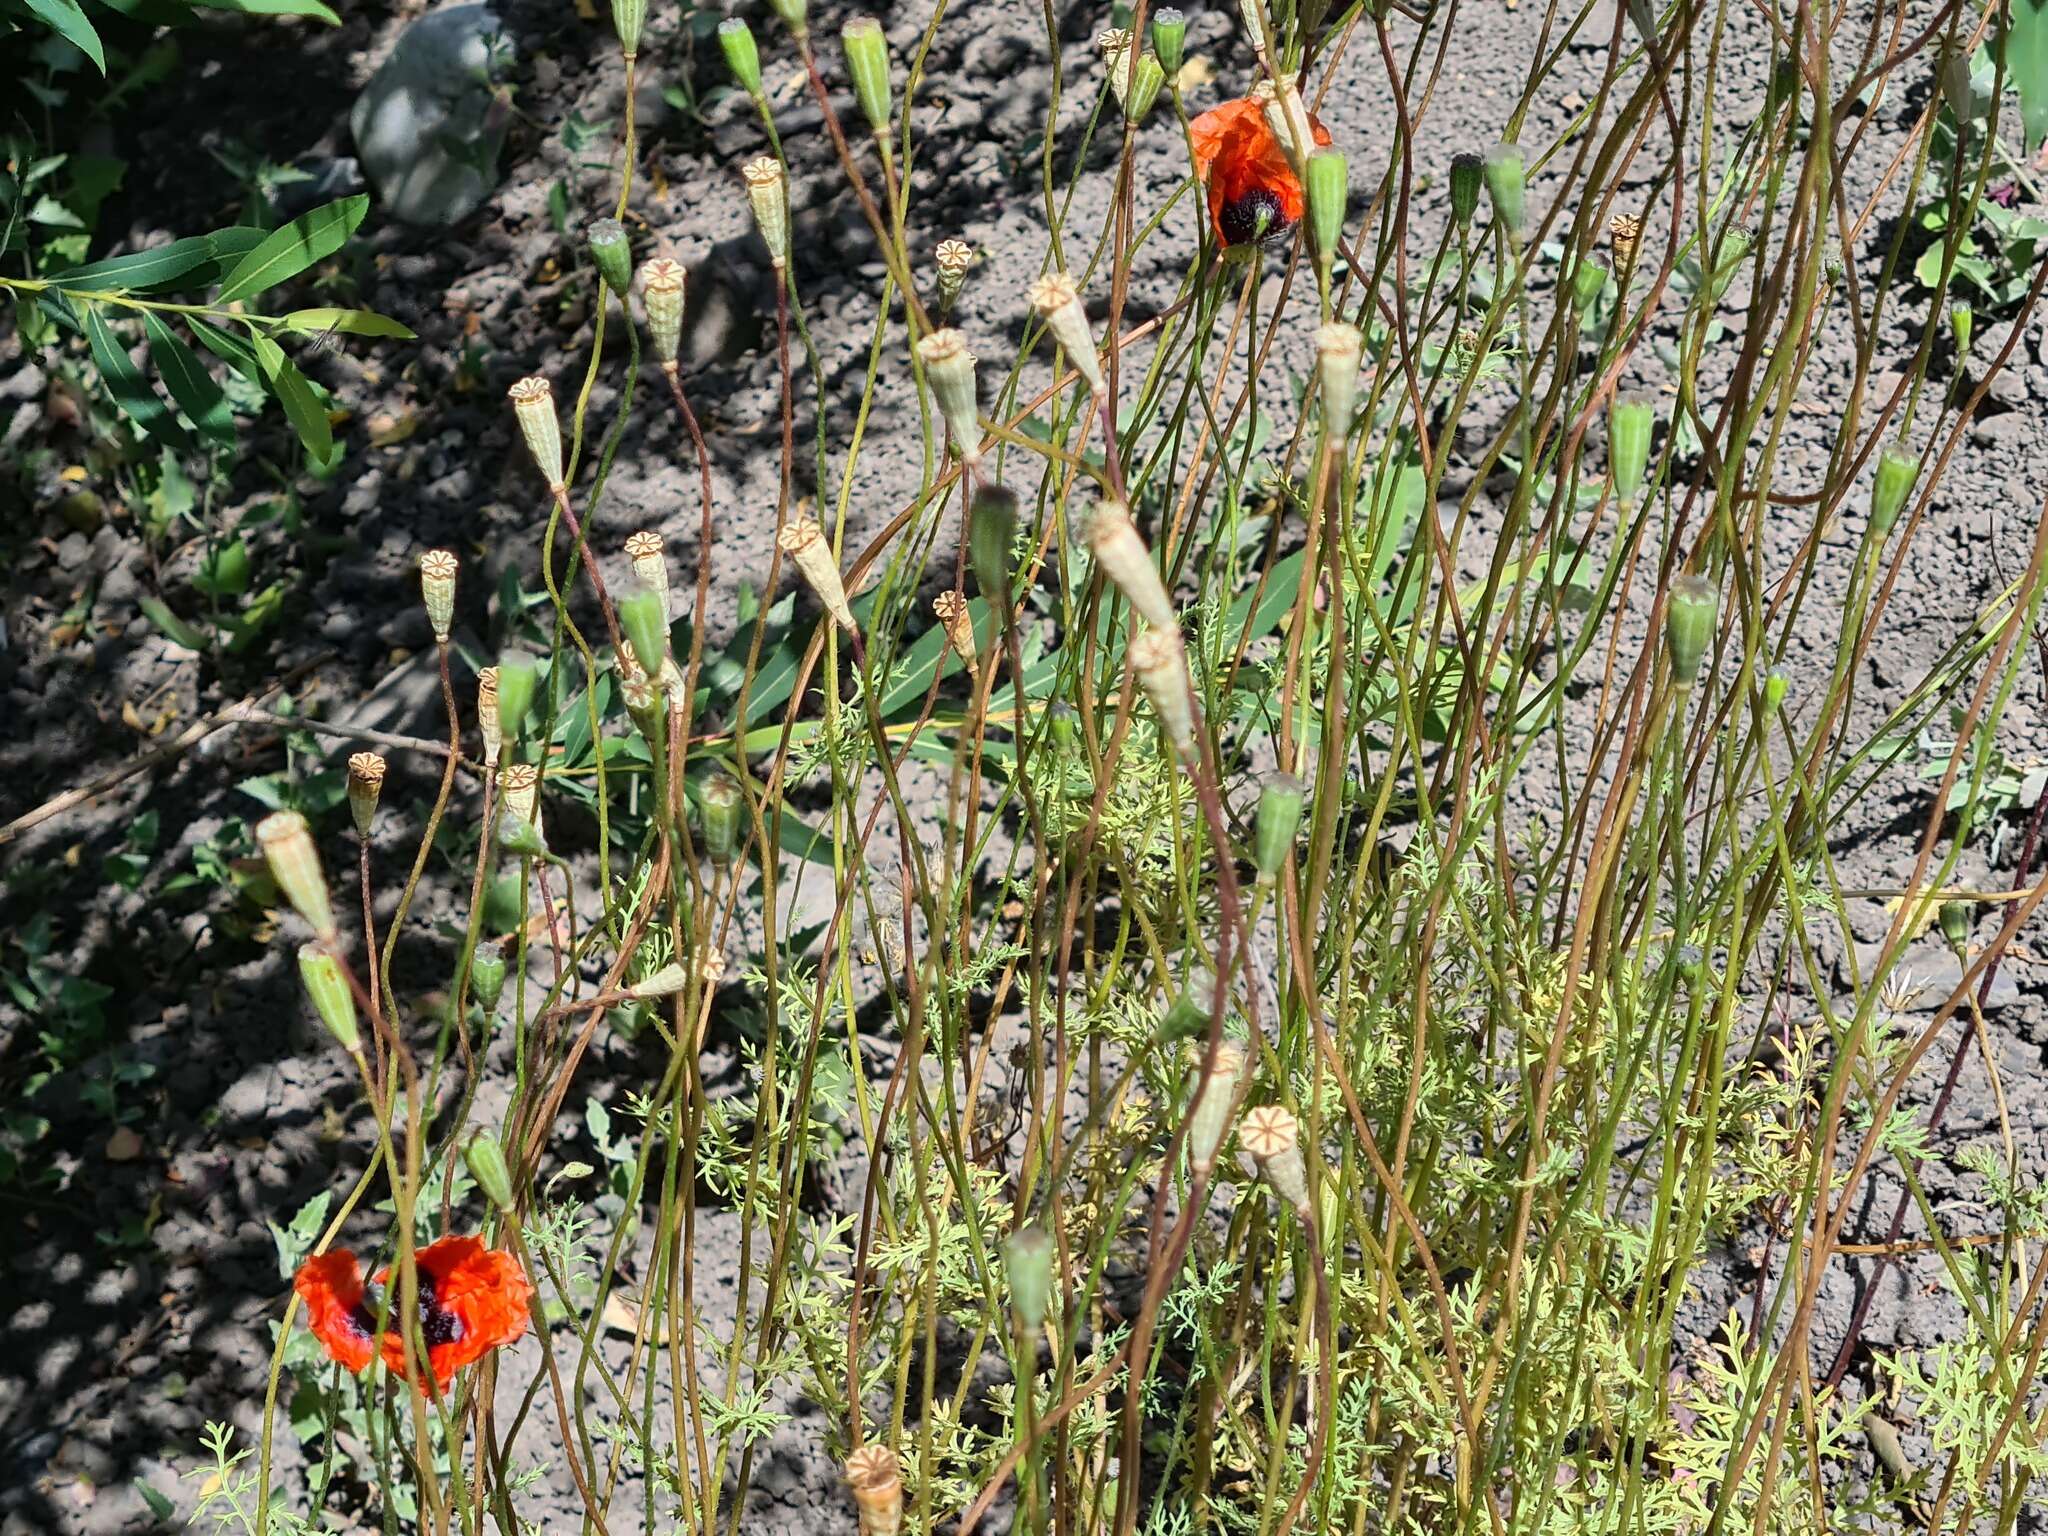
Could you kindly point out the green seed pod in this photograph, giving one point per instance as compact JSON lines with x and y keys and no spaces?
{"x":1955,"y":924}
{"x":1736,"y":243}
{"x":736,"y":39}
{"x":1897,"y":469}
{"x":1628,"y":446}
{"x":365,"y":784}
{"x":1169,"y":40}
{"x":287,"y":844}
{"x":1588,"y":278}
{"x":1028,"y":1259}
{"x":1467,"y":170}
{"x":332,"y":1000}
{"x":1777,"y":683}
{"x":1147,"y":76}
{"x":1329,"y":187}
{"x":721,"y":807}
{"x":1961,"y":320}
{"x":1689,"y":625}
{"x":1066,"y":730}
{"x":991,"y":534}
{"x":487,"y":975}
{"x":867,"y":64}
{"x":661,"y":295}
{"x":517,"y":835}
{"x":1278,"y":822}
{"x":612,"y":253}
{"x":640,"y":617}
{"x":486,"y":1162}
{"x":1505,"y":185}
{"x":794,"y":14}
{"x":516,"y":682}
{"x":504,"y":901}
{"x":628,"y":17}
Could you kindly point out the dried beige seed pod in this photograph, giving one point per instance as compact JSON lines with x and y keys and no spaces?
{"x":950,"y":367}
{"x":287,"y":844}
{"x":1624,"y":233}
{"x":1211,"y":1116}
{"x":365,"y":784}
{"x":533,"y":404}
{"x":438,"y":568}
{"x":1254,"y":14}
{"x":1115,"y":45}
{"x":1160,"y":663}
{"x":768,"y":191}
{"x":1339,"y":348}
{"x":1287,"y":119}
{"x":1058,"y":303}
{"x":951,"y":607}
{"x":1272,"y":1136}
{"x":804,"y":542}
{"x":644,"y":549}
{"x":953,"y":258}
{"x":661,"y":295}
{"x":877,"y":1485}
{"x":711,"y":968}
{"x":1120,"y":550}
{"x":519,"y":790}
{"x":665,"y":982}
{"x":487,"y":722}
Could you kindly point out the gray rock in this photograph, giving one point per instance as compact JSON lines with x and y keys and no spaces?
{"x":430,"y":124}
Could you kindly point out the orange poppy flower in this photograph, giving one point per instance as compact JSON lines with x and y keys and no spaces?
{"x":1254,"y":194}
{"x":472,"y":1299}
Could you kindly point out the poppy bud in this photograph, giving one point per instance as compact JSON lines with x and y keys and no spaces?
{"x":1210,"y":1116}
{"x":1338,"y":350}
{"x":661,"y":296}
{"x":768,"y":192}
{"x":365,"y":784}
{"x":640,"y":617}
{"x":1960,"y":321}
{"x":794,"y":14}
{"x":1504,"y":185}
{"x":1058,"y":303}
{"x":1028,"y":1258}
{"x":515,"y":691}
{"x":1119,"y":550}
{"x":1955,"y":924}
{"x":487,"y":975}
{"x":877,"y":1486}
{"x":950,"y":368}
{"x":612,"y":253}
{"x":1160,"y":662}
{"x":1689,"y":625}
{"x":1588,"y":278}
{"x":644,"y":549}
{"x":1147,"y":76}
{"x":1628,"y":446}
{"x":1777,"y":683}
{"x":487,"y":715}
{"x":1897,"y":469}
{"x":533,"y":404}
{"x":1278,"y":822}
{"x":1328,"y":189}
{"x":721,"y":807}
{"x":952,"y":258}
{"x":1169,"y":39}
{"x":991,"y":536}
{"x":804,"y":542}
{"x":951,"y":608}
{"x":628,"y":17}
{"x":1467,"y":170}
{"x":736,"y":40}
{"x":486,"y":1162}
{"x":1185,"y":1017}
{"x":1272,"y":1136}
{"x":320,"y":973}
{"x":287,"y":844}
{"x":867,"y":63}
{"x":438,"y":568}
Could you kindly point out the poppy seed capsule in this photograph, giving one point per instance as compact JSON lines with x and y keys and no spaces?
{"x":953,"y":258}
{"x":1689,"y":625}
{"x":640,"y":617}
{"x":486,"y":1162}
{"x":1328,"y":188}
{"x":1160,"y":662}
{"x":1147,"y":77}
{"x":1253,"y":14}
{"x":1058,"y":303}
{"x":1588,"y":278}
{"x":1277,"y":824}
{"x":487,"y":975}
{"x":519,"y":791}
{"x":1120,"y":552}
{"x":643,"y":703}
{"x":1339,"y":348}
{"x":327,"y":988}
{"x":1777,"y":683}
{"x":287,"y":844}
{"x":523,"y":838}
{"x":951,"y":608}
{"x":1169,"y":39}
{"x":1115,"y":46}
{"x":1209,"y":1114}
{"x":1897,"y":469}
{"x":1287,"y":119}
{"x":611,"y":253}
{"x":1027,"y":1265}
{"x":516,"y":681}
{"x":1961,"y":320}
{"x":438,"y":568}
{"x":742,"y":57}
{"x":1467,"y":171}
{"x":768,"y":193}
{"x":877,"y":1487}
{"x":533,"y":404}
{"x":628,"y":18}
{"x":650,"y":566}
{"x":665,"y":981}
{"x":1505,"y":185}
{"x":487,"y":715}
{"x":1624,"y":234}
{"x":661,"y":296}
{"x":867,"y":64}
{"x":991,"y":536}
{"x":720,"y":805}
{"x":794,"y":13}
{"x":1272,"y":1137}
{"x":1628,"y":446}
{"x":365,"y":784}
{"x":950,"y":368}
{"x":804,"y":542}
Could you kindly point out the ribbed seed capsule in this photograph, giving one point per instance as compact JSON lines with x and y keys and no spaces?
{"x":1272,"y":1137}
{"x":1467,"y":172}
{"x":438,"y":569}
{"x":1505,"y":186}
{"x":661,"y":296}
{"x":1689,"y":625}
{"x":519,"y":792}
{"x":768,"y":193}
{"x":1253,"y":13}
{"x":742,"y":57}
{"x":1147,"y":76}
{"x":804,"y":542}
{"x":1120,"y":552}
{"x":1277,"y":824}
{"x":1028,"y":1257}
{"x":641,"y":617}
{"x":533,"y":404}
{"x":1209,"y":1121}
{"x":1628,"y":446}
{"x":486,"y":1162}
{"x":794,"y":13}
{"x":867,"y":64}
{"x":487,"y":722}
{"x":1170,"y":39}
{"x":1115,"y":48}
{"x":650,"y":566}
{"x":1588,"y":278}
{"x":991,"y":536}
{"x":877,"y":1486}
{"x":1897,"y":469}
{"x":1961,"y":321}
{"x":953,"y":258}
{"x":487,"y":975}
{"x":365,"y":784}
{"x":287,"y":844}
{"x":1624,"y":234}
{"x":1339,"y":348}
{"x":611,"y":253}
{"x":951,"y":608}
{"x":722,"y":807}
{"x":1328,"y":190}
{"x":328,"y":990}
{"x":950,"y":368}
{"x":1777,"y":683}
{"x":1287,"y":118}
{"x":628,"y":18}
{"x":516,"y":683}
{"x":1160,"y":663}
{"x":1058,"y":303}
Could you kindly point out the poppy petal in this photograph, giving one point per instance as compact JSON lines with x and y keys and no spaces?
{"x":472,"y":1299}
{"x":331,"y":1287}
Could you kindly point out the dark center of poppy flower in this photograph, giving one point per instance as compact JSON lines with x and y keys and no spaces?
{"x":437,"y":1324}
{"x":1255,"y":217}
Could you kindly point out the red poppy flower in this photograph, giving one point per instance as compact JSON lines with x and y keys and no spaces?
{"x":1254,"y":194}
{"x":472,"y":1299}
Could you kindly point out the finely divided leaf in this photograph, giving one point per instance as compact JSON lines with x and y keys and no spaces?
{"x":289,"y":251}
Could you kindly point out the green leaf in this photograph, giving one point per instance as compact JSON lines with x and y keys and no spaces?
{"x":228,"y":347}
{"x":125,"y":382}
{"x":2026,"y":57}
{"x":159,"y":1504}
{"x":143,"y":269}
{"x":224,"y":572}
{"x":311,"y":8}
{"x":69,"y":20}
{"x":159,"y":614}
{"x":188,"y":381}
{"x":295,"y":393}
{"x":350,"y":322}
{"x":287,"y":252}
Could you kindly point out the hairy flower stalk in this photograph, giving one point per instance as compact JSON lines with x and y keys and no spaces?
{"x":1160,"y":662}
{"x":950,"y":368}
{"x":287,"y":844}
{"x":768,"y":192}
{"x":804,"y":542}
{"x":951,"y":608}
{"x":365,"y":784}
{"x":1058,"y":303}
{"x":1210,"y":1120}
{"x":661,"y":297}
{"x":877,"y":1485}
{"x":1271,"y":1136}
{"x":533,"y":405}
{"x":487,"y":722}
{"x":1119,"y":550}
{"x":438,"y":568}
{"x":953,"y":258}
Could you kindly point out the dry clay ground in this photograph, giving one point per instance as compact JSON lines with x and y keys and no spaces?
{"x":141,"y":1276}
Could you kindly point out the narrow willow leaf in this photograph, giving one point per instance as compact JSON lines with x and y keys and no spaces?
{"x":295,"y":393}
{"x":130,"y":389}
{"x":2026,"y":55}
{"x":289,"y":251}
{"x":69,"y":20}
{"x":188,"y":381}
{"x":228,"y":347}
{"x":350,"y":322}
{"x":312,"y":8}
